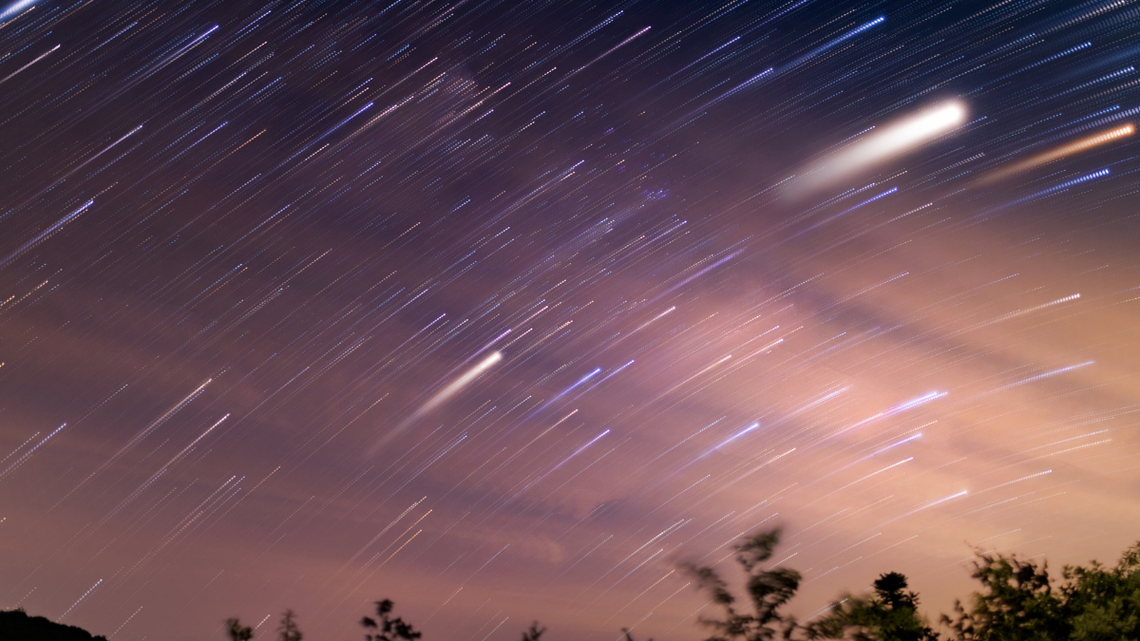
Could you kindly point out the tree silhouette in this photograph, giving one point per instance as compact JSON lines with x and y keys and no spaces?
{"x":388,"y":629}
{"x":1105,"y":604}
{"x":768,"y":591}
{"x":890,"y":614}
{"x":288,"y":630}
{"x":534,"y":633}
{"x":1017,"y":602}
{"x":237,"y":631}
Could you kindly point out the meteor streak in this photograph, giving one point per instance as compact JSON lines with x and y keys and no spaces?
{"x":879,"y":146}
{"x":439,"y":398}
{"x":452,"y":389}
{"x":1060,"y":152}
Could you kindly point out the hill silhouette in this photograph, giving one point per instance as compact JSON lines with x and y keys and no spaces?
{"x":16,"y":625}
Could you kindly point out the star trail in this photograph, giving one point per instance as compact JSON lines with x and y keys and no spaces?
{"x":502,"y":309}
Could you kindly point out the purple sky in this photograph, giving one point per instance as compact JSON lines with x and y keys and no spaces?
{"x":501,"y":310}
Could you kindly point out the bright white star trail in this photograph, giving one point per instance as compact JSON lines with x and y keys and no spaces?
{"x":882,"y":144}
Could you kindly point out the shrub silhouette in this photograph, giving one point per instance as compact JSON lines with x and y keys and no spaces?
{"x":1103,"y":603}
{"x":891,"y":613}
{"x":388,"y":629}
{"x":768,"y":590}
{"x":534,"y":633}
{"x":237,"y":631}
{"x":1018,"y":601}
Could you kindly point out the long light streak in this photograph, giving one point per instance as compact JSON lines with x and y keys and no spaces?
{"x":879,"y":146}
{"x":1055,"y":154}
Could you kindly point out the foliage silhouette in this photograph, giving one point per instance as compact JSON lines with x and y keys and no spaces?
{"x":237,"y":631}
{"x":769,"y":590}
{"x":288,"y":630}
{"x":1105,"y":604}
{"x":388,"y":629}
{"x":534,"y":633}
{"x":1017,"y":602}
{"x":890,"y":614}
{"x":1020,"y":603}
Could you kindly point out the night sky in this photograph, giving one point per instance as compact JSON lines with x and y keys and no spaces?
{"x":501,"y":309}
